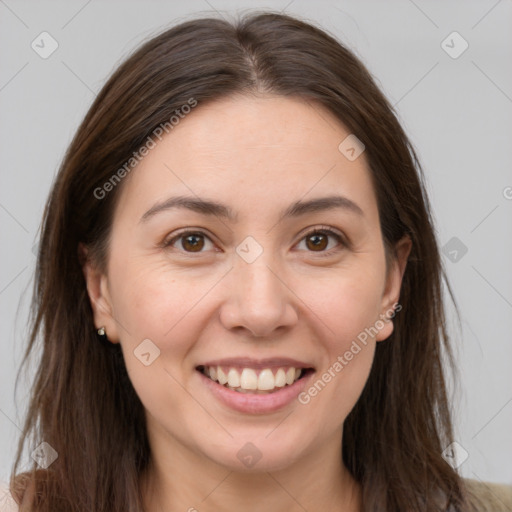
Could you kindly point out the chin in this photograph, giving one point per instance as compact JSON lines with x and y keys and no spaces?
{"x":256,"y":454}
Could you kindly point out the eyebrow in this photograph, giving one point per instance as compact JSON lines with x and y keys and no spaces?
{"x":213,"y":208}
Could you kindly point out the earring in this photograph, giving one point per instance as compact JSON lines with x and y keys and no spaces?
{"x":101,"y":331}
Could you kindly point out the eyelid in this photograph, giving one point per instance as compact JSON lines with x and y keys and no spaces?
{"x":329,"y":231}
{"x":315,"y":228}
{"x":169,"y":240}
{"x":322,"y":229}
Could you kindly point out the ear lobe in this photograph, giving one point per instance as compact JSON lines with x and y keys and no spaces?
{"x":393,"y":285}
{"x":99,"y":296}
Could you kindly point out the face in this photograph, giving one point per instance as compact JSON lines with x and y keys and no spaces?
{"x":281,"y":275}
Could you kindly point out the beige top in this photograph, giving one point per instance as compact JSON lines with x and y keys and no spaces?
{"x":487,"y":496}
{"x":7,"y":503}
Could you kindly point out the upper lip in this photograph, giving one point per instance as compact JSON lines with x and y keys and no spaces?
{"x":247,"y":362}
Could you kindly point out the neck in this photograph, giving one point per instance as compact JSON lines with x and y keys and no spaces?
{"x":190,"y":482}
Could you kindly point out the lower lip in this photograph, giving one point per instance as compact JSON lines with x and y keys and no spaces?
{"x":253,"y":403}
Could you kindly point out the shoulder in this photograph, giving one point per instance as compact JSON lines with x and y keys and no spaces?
{"x":483,"y":496}
{"x":7,"y":503}
{"x":486,"y":496}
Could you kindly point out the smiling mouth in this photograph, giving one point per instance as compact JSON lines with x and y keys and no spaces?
{"x":254,"y":381}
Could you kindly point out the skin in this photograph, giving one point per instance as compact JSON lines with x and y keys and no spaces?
{"x":256,"y":154}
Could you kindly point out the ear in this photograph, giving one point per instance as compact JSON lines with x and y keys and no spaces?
{"x":391,"y":293}
{"x":99,"y":296}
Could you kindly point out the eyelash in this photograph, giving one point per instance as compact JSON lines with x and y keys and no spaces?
{"x":322,"y":230}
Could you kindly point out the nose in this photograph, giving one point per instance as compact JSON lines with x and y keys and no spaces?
{"x":259,"y":301}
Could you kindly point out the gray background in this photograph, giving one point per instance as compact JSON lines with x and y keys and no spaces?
{"x":457,"y":112}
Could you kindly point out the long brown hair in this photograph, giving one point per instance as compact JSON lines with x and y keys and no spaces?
{"x":82,"y":402}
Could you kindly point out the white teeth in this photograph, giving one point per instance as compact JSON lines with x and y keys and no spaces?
{"x":250,"y":381}
{"x":280,"y":378}
{"x":233,"y":378}
{"x":221,"y":376}
{"x":265,"y":380}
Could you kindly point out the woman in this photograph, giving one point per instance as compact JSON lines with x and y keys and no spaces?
{"x":239,"y":290}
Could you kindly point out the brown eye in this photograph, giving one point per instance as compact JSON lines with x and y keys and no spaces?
{"x":190,"y":242}
{"x":317,"y":241}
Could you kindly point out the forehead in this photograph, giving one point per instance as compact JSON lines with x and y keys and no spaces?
{"x":250,"y":152}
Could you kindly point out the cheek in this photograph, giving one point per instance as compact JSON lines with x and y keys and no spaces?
{"x":337,"y":386}
{"x":156,"y":304}
{"x":348,"y":303}
{"x":152,"y":300}
{"x":349,"y":308}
